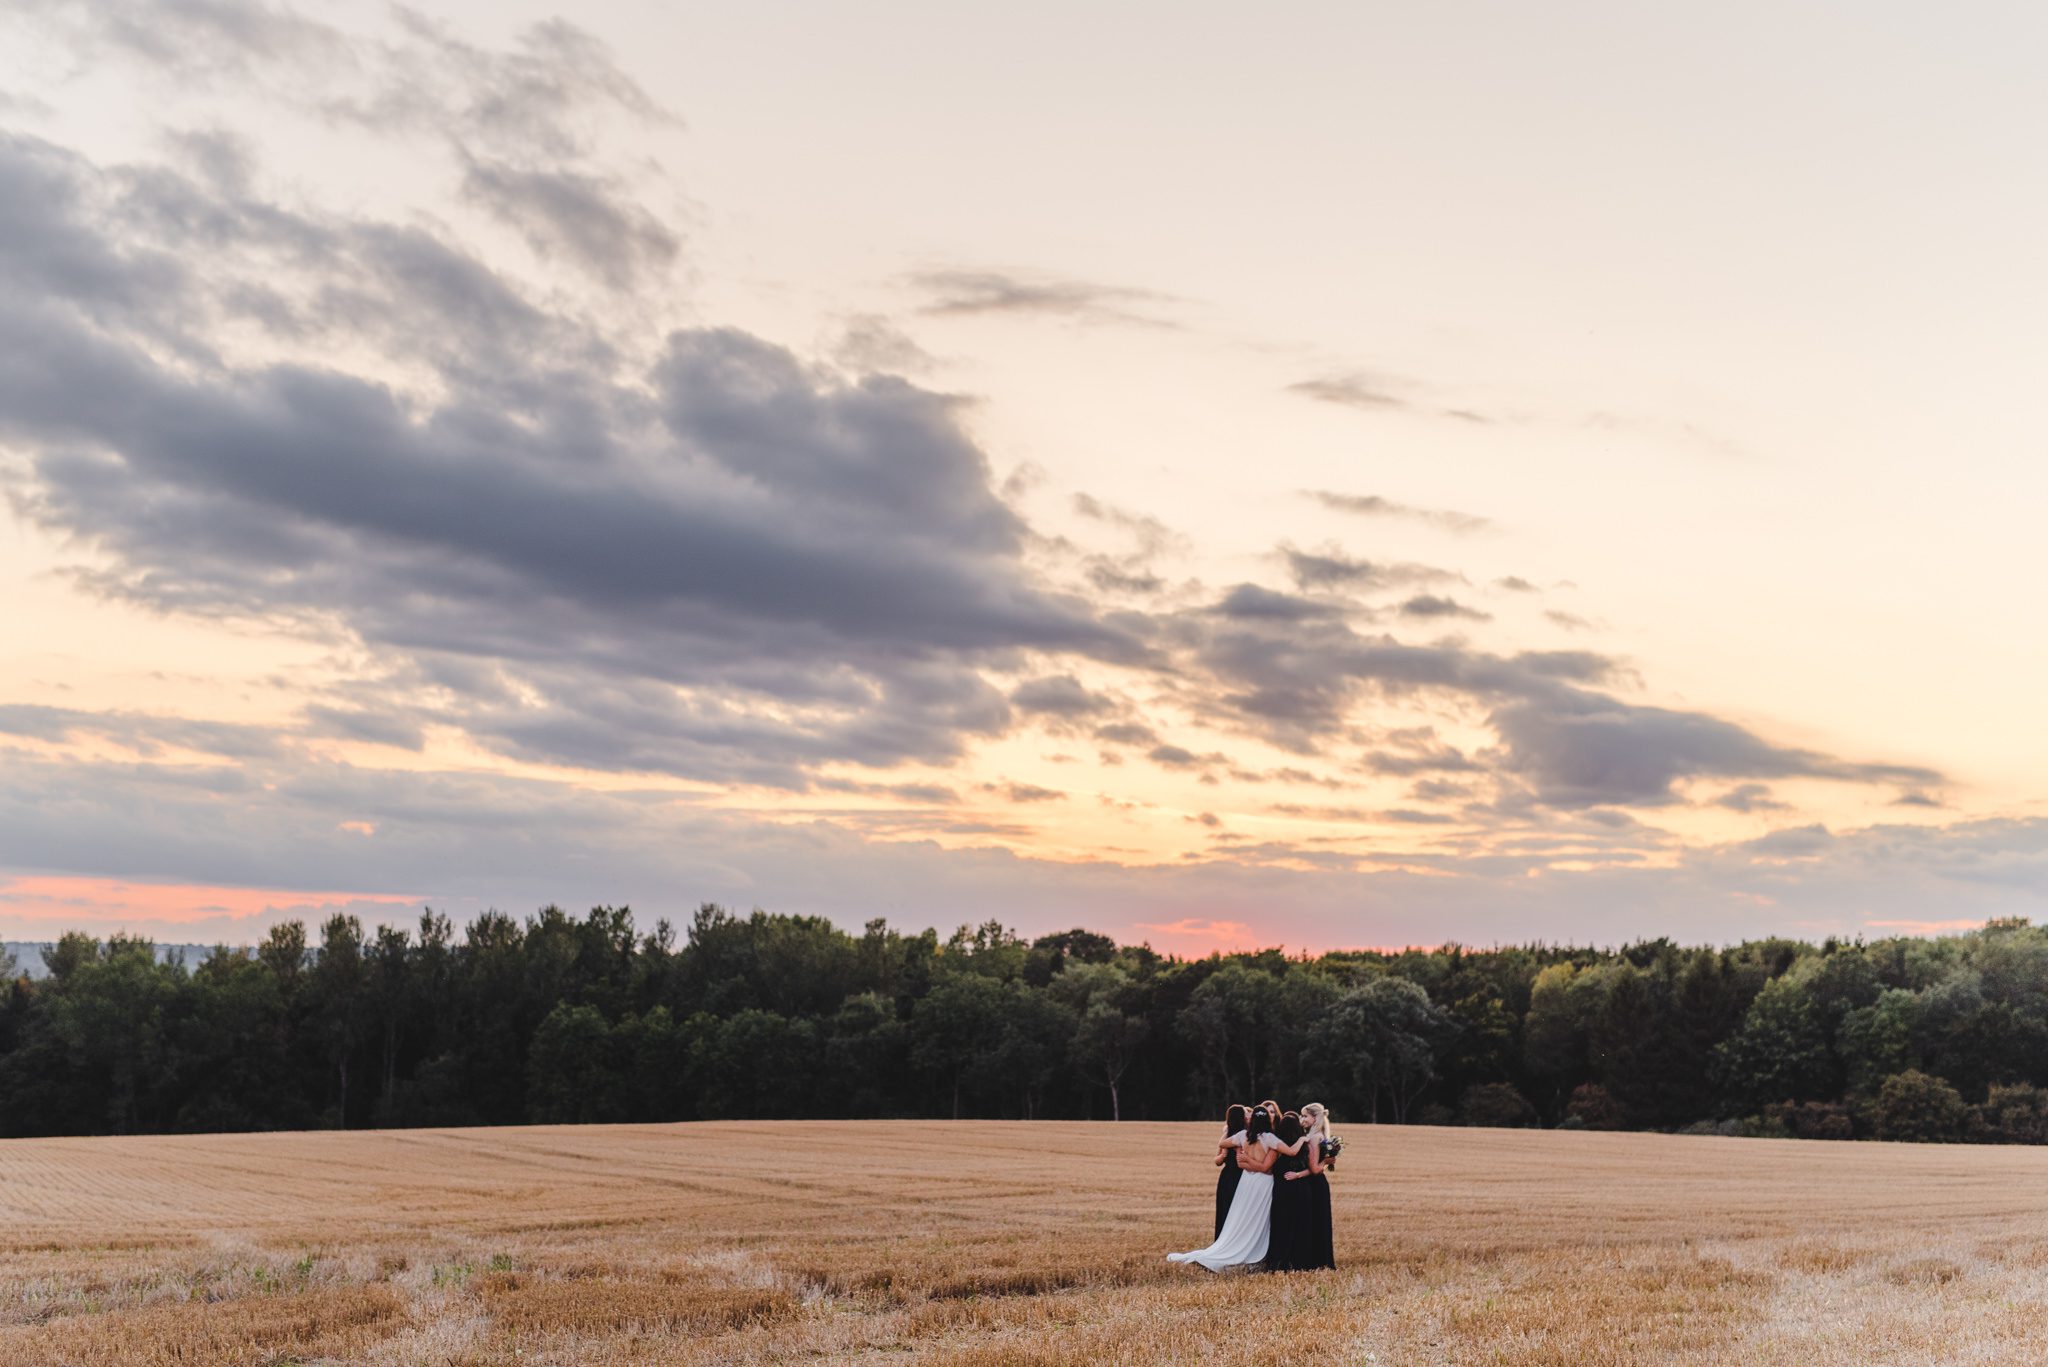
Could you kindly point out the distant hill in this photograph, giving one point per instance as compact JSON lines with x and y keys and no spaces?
{"x":28,"y":955}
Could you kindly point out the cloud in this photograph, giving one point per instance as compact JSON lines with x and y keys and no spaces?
{"x":1570,"y":621}
{"x":1582,"y":750}
{"x":1126,"y":733}
{"x":582,"y":218}
{"x":1514,"y":583}
{"x":1750,"y":797}
{"x":1298,"y":681}
{"x":1061,"y":696}
{"x":871,"y":345}
{"x":1251,"y":602}
{"x":1331,"y":568}
{"x":532,"y":514}
{"x":1355,"y":390}
{"x":465,"y":841}
{"x":696,"y":555}
{"x":1431,"y":605}
{"x":962,"y":293}
{"x":1374,"y":393}
{"x":1372,"y":505}
{"x":1026,"y":792}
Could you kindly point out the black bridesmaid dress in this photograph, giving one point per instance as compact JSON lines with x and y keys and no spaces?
{"x":1287,"y":1239}
{"x":1226,"y":1190}
{"x":1319,"y":1243}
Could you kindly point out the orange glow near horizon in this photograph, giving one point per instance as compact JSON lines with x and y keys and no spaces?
{"x":34,"y":907}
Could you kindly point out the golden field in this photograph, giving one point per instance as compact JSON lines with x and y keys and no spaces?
{"x":985,"y":1242}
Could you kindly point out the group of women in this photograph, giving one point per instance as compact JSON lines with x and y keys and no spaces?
{"x":1273,"y":1193}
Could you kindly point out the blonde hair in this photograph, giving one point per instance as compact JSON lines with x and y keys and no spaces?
{"x":1322,"y":1117}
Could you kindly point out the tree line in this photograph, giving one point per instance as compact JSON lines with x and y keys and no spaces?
{"x":563,"y":1019}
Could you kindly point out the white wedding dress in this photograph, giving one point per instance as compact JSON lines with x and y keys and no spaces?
{"x":1243,"y":1240}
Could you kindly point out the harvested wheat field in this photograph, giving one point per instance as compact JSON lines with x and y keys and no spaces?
{"x":1006,"y":1243}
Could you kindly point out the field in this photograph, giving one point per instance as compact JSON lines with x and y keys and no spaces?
{"x":1005,"y":1243}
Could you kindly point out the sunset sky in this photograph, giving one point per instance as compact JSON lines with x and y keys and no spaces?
{"x":1345,"y":475}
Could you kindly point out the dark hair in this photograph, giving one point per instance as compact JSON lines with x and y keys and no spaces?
{"x":1289,"y":1128}
{"x":1235,"y":1119}
{"x":1255,"y":1123}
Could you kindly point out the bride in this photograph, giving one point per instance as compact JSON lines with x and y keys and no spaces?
{"x":1245,"y":1230}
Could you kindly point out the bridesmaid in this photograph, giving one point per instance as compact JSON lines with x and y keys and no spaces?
{"x":1234,"y":1121}
{"x":1320,"y":1246}
{"x":1287,"y":1241}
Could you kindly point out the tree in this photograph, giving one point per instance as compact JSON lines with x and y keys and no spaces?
{"x":1383,"y":1038}
{"x":1108,"y":1034}
{"x":1876,"y":1041}
{"x":1592,"y":1108}
{"x":1495,"y":1105}
{"x":955,"y":1028}
{"x":1914,"y":1107}
{"x":2015,"y":1114}
{"x":573,"y":1075}
{"x":868,"y":1048}
{"x":1781,"y":1051}
{"x":1232,"y":1015}
{"x":336,"y":987}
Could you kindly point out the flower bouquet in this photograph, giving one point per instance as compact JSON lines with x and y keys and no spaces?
{"x":1331,"y":1147}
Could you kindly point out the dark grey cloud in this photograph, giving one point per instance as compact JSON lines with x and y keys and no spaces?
{"x":1514,"y":583}
{"x":969,"y":292}
{"x":1400,"y":816}
{"x":1061,"y":696}
{"x":1372,"y":505}
{"x":1423,"y":754}
{"x":1331,"y":568}
{"x":1584,"y":749}
{"x":1025,"y":792}
{"x":587,"y":220}
{"x":703,"y":557}
{"x":1439,"y":790}
{"x":1127,"y":733}
{"x":928,"y":794}
{"x":1115,"y":576}
{"x":145,"y":734}
{"x":1916,"y":799}
{"x":1749,"y":798}
{"x":1355,"y":390}
{"x":1253,"y":603}
{"x":1434,"y":606}
{"x":1299,"y":683}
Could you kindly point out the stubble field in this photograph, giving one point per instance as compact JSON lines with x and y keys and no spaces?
{"x":1005,"y":1243}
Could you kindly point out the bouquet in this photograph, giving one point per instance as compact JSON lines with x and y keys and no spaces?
{"x":1330,"y":1148}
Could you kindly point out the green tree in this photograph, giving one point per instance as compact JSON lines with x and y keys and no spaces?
{"x":1110,"y":1031}
{"x":1914,"y":1107}
{"x":1495,"y":1105}
{"x":573,"y":1073}
{"x":1383,"y":1038}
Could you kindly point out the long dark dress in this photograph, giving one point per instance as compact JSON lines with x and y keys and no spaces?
{"x":1319,"y":1246}
{"x":1226,"y":1189}
{"x":1287,"y":1247}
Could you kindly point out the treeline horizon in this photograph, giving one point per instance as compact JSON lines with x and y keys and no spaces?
{"x":559,"y":1019}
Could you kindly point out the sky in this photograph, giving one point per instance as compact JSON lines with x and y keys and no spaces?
{"x":1363,"y":475}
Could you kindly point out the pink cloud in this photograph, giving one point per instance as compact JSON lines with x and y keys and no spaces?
{"x":40,"y":907}
{"x":1928,"y":927}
